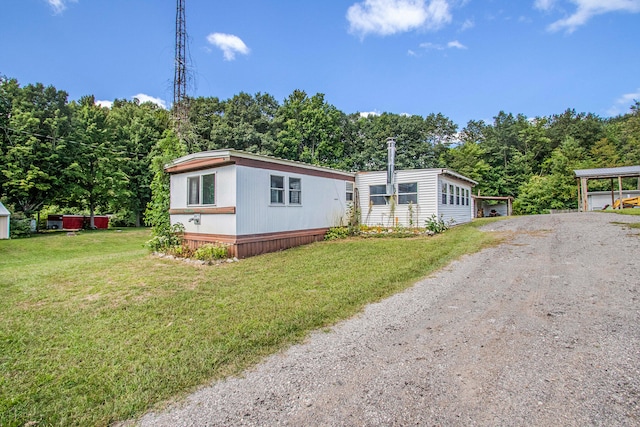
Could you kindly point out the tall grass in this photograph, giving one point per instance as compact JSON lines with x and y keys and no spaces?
{"x":95,"y":330}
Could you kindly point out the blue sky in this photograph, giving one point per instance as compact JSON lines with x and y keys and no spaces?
{"x":466,"y":59}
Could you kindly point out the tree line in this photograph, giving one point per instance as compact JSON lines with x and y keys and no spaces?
{"x":77,"y":155}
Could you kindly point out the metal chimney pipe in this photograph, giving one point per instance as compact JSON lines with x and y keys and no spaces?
{"x":391,"y":165}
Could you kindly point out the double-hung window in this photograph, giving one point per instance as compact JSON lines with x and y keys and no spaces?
{"x":408,"y":193}
{"x":349,"y":191}
{"x":295,"y":191}
{"x":444,"y":193}
{"x":377,"y":194}
{"x":202,"y":189}
{"x":457,"y":195}
{"x":451,"y":195}
{"x":277,"y":189}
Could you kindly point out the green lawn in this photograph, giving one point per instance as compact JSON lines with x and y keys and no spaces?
{"x":626,"y":211}
{"x":94,"y":330}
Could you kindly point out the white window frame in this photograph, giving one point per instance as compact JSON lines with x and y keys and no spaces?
{"x":348,"y":188}
{"x":407,"y":194}
{"x":378,"y":196}
{"x":198,"y":179}
{"x":279,"y":190}
{"x":457,"y":196}
{"x":292,"y":191}
{"x":443,"y":191}
{"x":451,"y":195}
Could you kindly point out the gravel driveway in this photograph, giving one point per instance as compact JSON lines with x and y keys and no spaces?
{"x":543,"y":330}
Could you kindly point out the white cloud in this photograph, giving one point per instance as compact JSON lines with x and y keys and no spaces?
{"x":544,"y":4}
{"x":229,"y":44}
{"x":366,"y":114}
{"x":146,"y":98}
{"x":107,"y":104}
{"x":586,"y":9}
{"x":456,"y":44}
{"x":386,"y":17}
{"x":467,"y":24}
{"x":623,"y":103}
{"x":59,"y":5}
{"x":429,"y":46}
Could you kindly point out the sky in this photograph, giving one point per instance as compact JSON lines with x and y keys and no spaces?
{"x":466,"y":59}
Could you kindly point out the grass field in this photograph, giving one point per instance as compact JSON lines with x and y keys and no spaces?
{"x":95,"y":330}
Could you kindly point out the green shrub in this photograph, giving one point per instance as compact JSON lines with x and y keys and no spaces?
{"x":19,"y":226}
{"x":210,"y":252}
{"x":438,"y":225}
{"x":335,"y":233}
{"x":123,"y":218}
{"x":168,"y":241}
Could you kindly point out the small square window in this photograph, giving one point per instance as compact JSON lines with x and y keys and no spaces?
{"x":277,"y":189}
{"x":408,"y":193}
{"x":201,"y":189}
{"x":377,"y":194}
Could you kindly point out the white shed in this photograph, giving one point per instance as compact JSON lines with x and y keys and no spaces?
{"x":420,"y":194}
{"x":5,"y":221}
{"x":255,"y":204}
{"x":599,"y":200}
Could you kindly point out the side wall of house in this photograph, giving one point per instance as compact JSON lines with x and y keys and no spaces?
{"x":407,"y":215}
{"x":459,"y":205}
{"x":322,"y":202}
{"x":4,"y":227}
{"x":215,"y":219}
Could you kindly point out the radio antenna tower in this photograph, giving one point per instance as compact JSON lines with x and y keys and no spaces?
{"x":180,"y":107}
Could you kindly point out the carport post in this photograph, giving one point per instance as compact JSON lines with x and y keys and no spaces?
{"x":584,"y":182}
{"x":620,"y":192}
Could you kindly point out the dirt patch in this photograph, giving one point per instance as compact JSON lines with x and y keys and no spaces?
{"x":542,"y":331}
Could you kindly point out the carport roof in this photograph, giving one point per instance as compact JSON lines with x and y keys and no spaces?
{"x":624,"y":171}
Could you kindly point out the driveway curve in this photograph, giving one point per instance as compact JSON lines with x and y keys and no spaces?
{"x":542,"y":330}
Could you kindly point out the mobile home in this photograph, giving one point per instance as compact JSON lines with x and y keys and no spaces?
{"x":257,"y":204}
{"x":254,"y":203}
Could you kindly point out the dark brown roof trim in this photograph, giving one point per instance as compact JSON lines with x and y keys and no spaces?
{"x":216,"y":162}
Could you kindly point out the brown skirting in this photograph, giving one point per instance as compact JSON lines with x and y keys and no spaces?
{"x":255,"y":244}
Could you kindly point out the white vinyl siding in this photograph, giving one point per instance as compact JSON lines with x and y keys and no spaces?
{"x":426,"y":196}
{"x":323,"y":205}
{"x":457,"y":207}
{"x":223,"y":224}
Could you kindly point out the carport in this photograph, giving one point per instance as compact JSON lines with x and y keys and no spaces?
{"x":584,"y":175}
{"x":478,"y":203}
